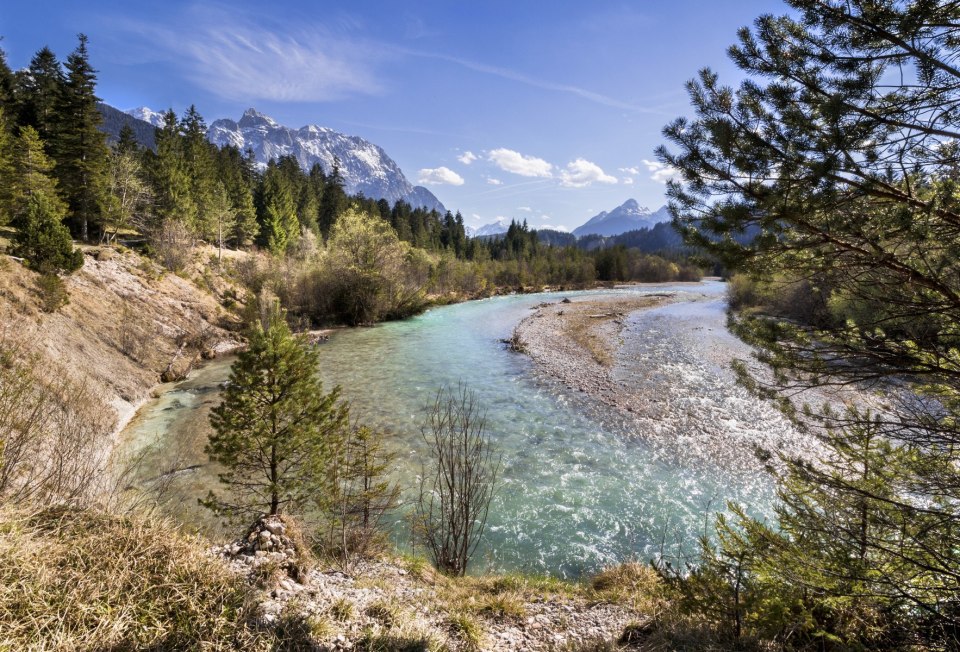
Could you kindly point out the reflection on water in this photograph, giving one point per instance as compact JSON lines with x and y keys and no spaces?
{"x":583,"y":486}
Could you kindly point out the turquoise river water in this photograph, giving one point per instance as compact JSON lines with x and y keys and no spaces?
{"x":583,"y":485}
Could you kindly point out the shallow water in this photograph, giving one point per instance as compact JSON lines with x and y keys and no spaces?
{"x":583,"y":485}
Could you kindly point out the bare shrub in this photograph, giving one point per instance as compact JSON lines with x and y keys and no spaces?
{"x":172,"y":244}
{"x":53,"y":432}
{"x":458,"y":480}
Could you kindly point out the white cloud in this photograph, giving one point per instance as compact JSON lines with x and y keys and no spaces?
{"x":544,"y":217}
{"x":582,"y":173}
{"x":631,"y":170}
{"x":467,"y":157}
{"x":661,"y":172}
{"x":525,"y":209}
{"x":516,"y":163}
{"x":560,"y":227}
{"x":494,"y":182}
{"x":242,"y":60}
{"x":628,"y":181}
{"x":441,"y":176}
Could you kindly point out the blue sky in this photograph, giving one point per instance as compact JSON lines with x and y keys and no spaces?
{"x":548,"y":112}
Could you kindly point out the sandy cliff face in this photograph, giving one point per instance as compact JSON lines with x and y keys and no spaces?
{"x":123,"y":326}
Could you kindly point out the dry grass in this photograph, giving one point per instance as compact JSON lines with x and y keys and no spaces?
{"x":80,"y":580}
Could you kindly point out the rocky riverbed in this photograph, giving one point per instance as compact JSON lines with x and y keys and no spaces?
{"x":662,"y":363}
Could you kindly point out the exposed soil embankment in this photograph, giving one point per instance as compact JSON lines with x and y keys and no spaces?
{"x":126,"y":324}
{"x":576,"y":342}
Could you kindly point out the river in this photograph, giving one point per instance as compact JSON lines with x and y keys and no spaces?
{"x":583,"y":486}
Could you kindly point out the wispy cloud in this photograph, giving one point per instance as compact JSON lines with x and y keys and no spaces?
{"x":239,"y":58}
{"x":514,"y":162}
{"x":661,"y":172}
{"x":513,"y":75}
{"x":581,"y":173}
{"x":494,"y":182}
{"x":441,"y":176}
{"x":467,"y":157}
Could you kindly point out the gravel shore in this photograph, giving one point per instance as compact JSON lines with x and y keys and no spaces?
{"x":576,"y":343}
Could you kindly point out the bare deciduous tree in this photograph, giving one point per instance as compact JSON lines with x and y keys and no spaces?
{"x":361,"y":495}
{"x":458,"y":480}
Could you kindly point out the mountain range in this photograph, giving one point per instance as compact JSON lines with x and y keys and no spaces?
{"x":629,"y":216}
{"x":365,"y":167}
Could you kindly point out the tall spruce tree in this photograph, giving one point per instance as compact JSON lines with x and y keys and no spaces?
{"x":38,"y":94}
{"x":275,"y":429}
{"x":80,"y":148}
{"x":170,"y":174}
{"x":835,"y":163}
{"x":199,"y":163}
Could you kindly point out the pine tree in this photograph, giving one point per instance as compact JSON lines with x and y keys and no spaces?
{"x":198,"y":162}
{"x":127,"y":141}
{"x":274,"y":429}
{"x":834,"y":164}
{"x":7,"y":176}
{"x":224,"y":216}
{"x":7,"y":84}
{"x":39,"y":91}
{"x":334,"y":200}
{"x":80,"y":148}
{"x":171,"y":180}
{"x":41,"y":238}
{"x":279,"y":224}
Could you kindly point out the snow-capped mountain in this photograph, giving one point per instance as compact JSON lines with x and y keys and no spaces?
{"x":494,"y":228}
{"x":147,"y":115}
{"x":629,"y":216}
{"x":365,"y":167}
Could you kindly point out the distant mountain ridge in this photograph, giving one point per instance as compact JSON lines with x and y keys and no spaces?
{"x":114,"y":120}
{"x":365,"y":167}
{"x":629,"y":216}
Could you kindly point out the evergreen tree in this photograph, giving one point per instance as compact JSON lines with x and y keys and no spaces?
{"x":334,"y":200}
{"x":7,"y":84}
{"x":171,"y":177}
{"x":275,"y":428}
{"x":198,"y":162}
{"x":7,"y":175}
{"x":279,"y":224}
{"x":237,"y":181}
{"x":224,"y":216}
{"x":127,"y":141}
{"x":41,"y":238}
{"x":80,"y":148}
{"x":834,"y":164}
{"x":39,"y":91}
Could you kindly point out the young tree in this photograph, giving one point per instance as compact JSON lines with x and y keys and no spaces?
{"x":274,"y":428}
{"x":41,"y":238}
{"x":361,"y":494}
{"x":457,"y":480}
{"x":223,"y":215}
